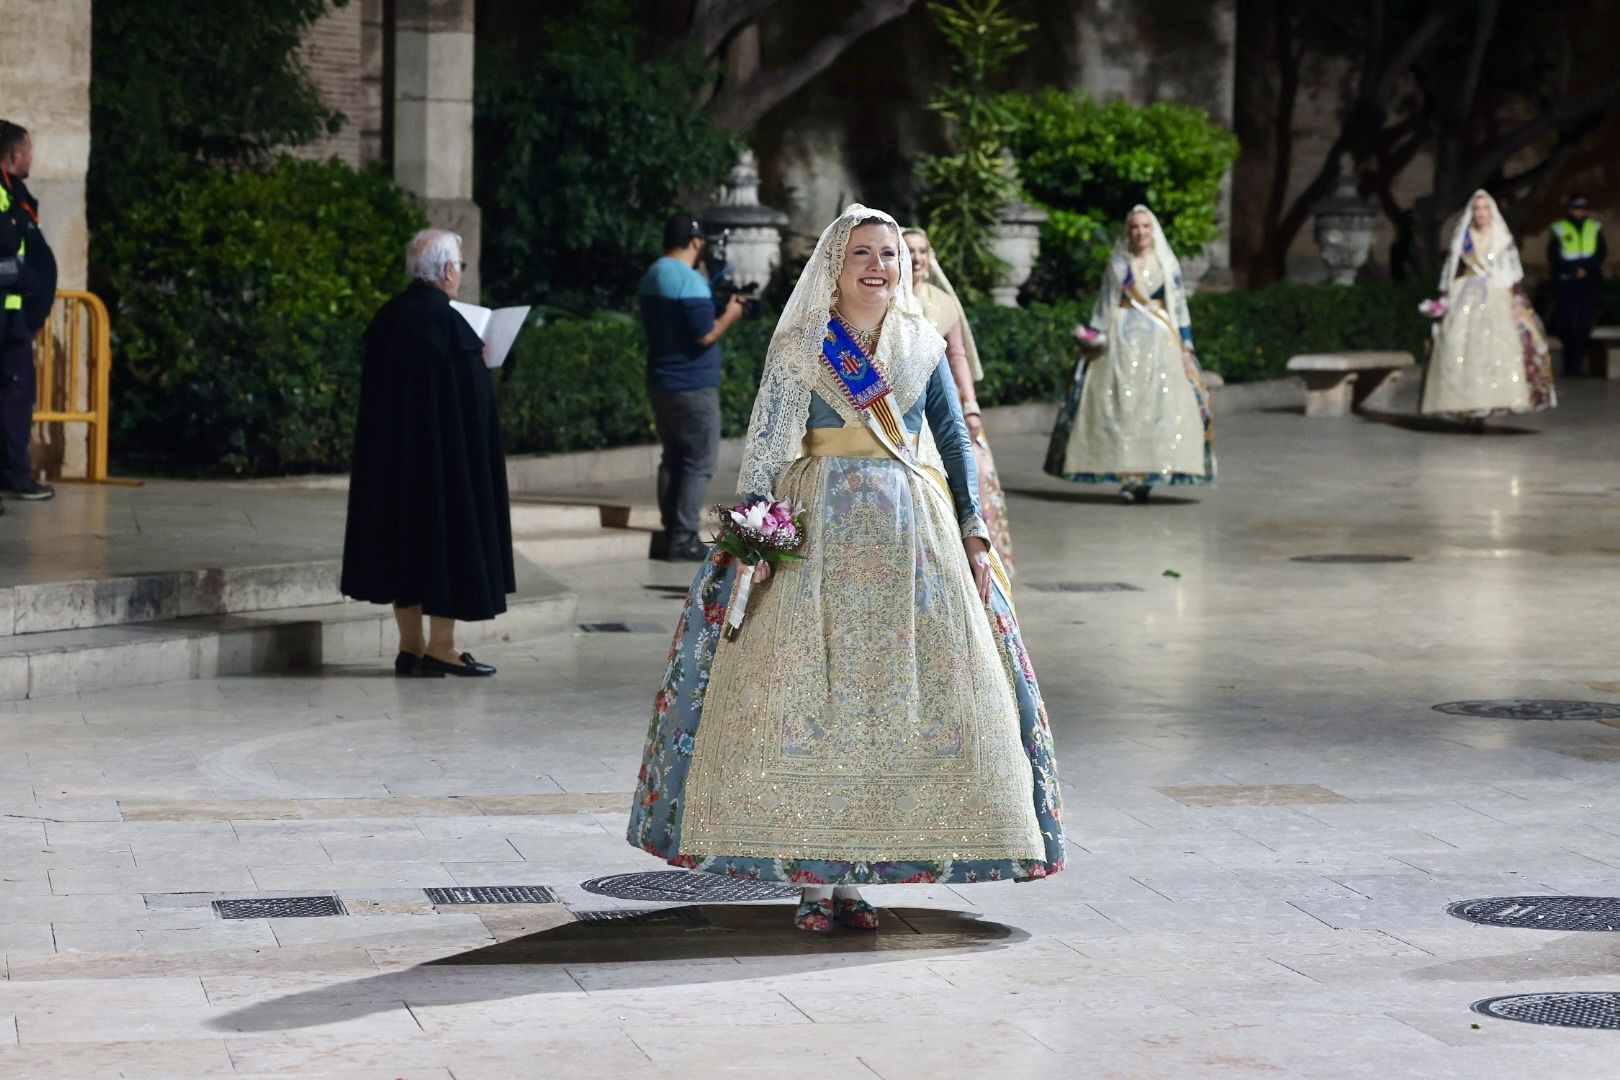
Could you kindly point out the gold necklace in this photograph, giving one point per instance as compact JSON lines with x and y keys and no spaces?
{"x":866,"y":339}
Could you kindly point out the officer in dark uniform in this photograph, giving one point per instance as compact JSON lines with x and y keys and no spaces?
{"x":25,"y":304}
{"x":1575,"y":251}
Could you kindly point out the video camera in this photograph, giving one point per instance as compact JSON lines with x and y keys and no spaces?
{"x":723,"y":278}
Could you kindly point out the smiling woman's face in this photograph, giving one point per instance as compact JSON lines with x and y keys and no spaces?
{"x":871,"y":270}
{"x":1482,"y":213}
{"x":918,"y":244}
{"x":1139,"y":231}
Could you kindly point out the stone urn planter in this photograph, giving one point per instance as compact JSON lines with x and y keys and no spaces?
{"x":1344,"y":226}
{"x":752,"y":233}
{"x":1016,"y":241}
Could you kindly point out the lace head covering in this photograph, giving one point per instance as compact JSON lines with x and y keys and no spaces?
{"x":908,"y":351}
{"x":1495,"y":250}
{"x":939,"y":285}
{"x":1119,"y":264}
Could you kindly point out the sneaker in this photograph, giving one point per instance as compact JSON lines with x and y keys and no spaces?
{"x":30,"y":491}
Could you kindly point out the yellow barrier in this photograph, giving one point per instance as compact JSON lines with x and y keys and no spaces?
{"x":75,"y":342}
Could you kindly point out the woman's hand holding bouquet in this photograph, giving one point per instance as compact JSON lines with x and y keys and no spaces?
{"x":757,"y":533}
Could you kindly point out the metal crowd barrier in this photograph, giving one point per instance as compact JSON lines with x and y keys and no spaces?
{"x":73,"y":373}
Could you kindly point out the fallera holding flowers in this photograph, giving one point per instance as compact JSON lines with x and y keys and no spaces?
{"x":876,"y":720}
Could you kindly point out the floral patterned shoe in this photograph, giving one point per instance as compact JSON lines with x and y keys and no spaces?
{"x":814,"y":916}
{"x":856,"y":913}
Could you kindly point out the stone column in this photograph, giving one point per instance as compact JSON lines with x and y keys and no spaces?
{"x":45,"y":87}
{"x":433,"y":117}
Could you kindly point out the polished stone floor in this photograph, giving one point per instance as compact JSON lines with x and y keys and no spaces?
{"x":1267,"y":817}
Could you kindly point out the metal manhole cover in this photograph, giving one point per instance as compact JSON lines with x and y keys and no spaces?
{"x":280,"y":907}
{"x":1575,"y":1008}
{"x":687,"y":916}
{"x":492,"y":894}
{"x":1541,"y":912}
{"x":1084,"y":586}
{"x":1531,"y":709}
{"x":1351,"y":559}
{"x":682,"y":886}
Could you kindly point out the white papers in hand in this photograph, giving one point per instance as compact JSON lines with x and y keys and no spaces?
{"x":496,"y":328}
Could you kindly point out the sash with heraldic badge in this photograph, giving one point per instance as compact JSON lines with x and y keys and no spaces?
{"x":860,"y":379}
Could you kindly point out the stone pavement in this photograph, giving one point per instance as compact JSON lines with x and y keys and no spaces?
{"x":1267,"y":817}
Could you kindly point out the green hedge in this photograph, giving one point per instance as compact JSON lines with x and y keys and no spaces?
{"x":578,"y":384}
{"x":239,"y":299}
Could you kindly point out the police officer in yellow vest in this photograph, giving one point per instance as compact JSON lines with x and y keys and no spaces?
{"x":26,"y":303}
{"x":1576,"y":251}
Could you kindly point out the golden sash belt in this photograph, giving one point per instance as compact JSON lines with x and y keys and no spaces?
{"x":848,"y":441}
{"x":1125,"y":301}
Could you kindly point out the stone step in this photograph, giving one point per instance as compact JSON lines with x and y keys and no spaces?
{"x":287,"y":639}
{"x":581,"y":546}
{"x":549,"y":533}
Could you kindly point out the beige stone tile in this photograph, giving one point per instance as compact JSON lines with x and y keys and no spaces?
{"x":156,"y":1059}
{"x":424,"y":806}
{"x":382,"y":930}
{"x":1590,"y":753}
{"x":36,"y":1026}
{"x":1252,"y":795}
{"x":550,"y":1053}
{"x":566,"y":803}
{"x":224,"y":961}
{"x":351,"y":876}
{"x":208,"y":810}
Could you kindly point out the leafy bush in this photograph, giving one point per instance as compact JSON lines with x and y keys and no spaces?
{"x":968,"y":186}
{"x":1087,"y":164}
{"x":576,"y":384}
{"x":583,"y":150}
{"x":1250,"y":335}
{"x":239,"y":303}
{"x":175,"y":80}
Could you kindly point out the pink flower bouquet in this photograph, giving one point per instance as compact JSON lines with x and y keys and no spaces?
{"x":1434,"y":309}
{"x":751,"y":531}
{"x":1090,"y":338}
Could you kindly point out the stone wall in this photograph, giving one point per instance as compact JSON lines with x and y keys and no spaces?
{"x":45,"y":87}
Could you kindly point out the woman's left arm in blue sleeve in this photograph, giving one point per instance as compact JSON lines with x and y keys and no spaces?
{"x":955,"y":448}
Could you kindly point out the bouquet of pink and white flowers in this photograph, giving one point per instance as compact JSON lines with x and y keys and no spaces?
{"x":753,"y":531}
{"x":1434,"y":309}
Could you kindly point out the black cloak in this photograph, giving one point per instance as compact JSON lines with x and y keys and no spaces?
{"x":429,"y":521}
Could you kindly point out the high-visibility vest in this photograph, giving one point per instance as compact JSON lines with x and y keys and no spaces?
{"x":13,"y":301}
{"x":1576,"y":243}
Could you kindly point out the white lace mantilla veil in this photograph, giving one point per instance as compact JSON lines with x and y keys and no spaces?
{"x":908,"y":352}
{"x":1175,"y":294}
{"x":937,"y":278}
{"x":1500,"y":255}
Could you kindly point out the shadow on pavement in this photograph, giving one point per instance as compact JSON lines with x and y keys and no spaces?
{"x":644,"y":954}
{"x":1099,"y":497}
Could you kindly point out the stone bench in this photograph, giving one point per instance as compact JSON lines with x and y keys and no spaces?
{"x":1605,"y":352}
{"x":1337,"y":383}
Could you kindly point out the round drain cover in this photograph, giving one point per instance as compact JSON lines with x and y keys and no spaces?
{"x":1530,"y":709}
{"x":685,"y":887}
{"x":1365,"y":559}
{"x":1577,"y":1009}
{"x":1541,"y":912}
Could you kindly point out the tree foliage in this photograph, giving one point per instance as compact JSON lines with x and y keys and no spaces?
{"x":178,"y":82}
{"x":240,"y":302}
{"x":967,"y":186}
{"x":1087,"y":164}
{"x":583,"y":151}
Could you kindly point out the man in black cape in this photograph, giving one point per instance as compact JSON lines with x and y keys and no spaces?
{"x":430,"y":527}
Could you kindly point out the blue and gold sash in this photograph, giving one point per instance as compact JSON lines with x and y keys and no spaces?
{"x":860,"y":379}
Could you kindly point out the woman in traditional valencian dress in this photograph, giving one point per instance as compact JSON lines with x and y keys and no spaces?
{"x":1490,"y":354}
{"x":876,"y":719}
{"x":943,"y":308}
{"x":1138,"y":413}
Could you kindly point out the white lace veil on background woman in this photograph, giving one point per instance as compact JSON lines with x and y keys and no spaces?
{"x":1496,"y":250}
{"x":1113,"y":287}
{"x":794,"y":367}
{"x":938,"y":279}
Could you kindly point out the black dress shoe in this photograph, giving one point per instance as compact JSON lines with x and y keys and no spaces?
{"x":468,"y":668}
{"x":690,"y":551}
{"x":409,"y":666}
{"x":29,"y":492}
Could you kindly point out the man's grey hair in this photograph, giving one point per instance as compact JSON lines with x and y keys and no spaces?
{"x":429,"y":251}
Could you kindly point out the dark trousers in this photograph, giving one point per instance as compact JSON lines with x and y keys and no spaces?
{"x":1577,"y":309}
{"x":689,"y":427}
{"x":16,"y":412}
